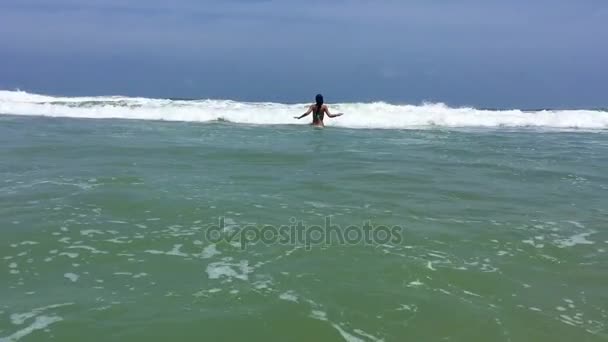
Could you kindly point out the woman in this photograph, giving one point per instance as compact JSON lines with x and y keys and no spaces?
{"x":318,"y":110}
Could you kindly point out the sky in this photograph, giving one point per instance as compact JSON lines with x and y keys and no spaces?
{"x":482,"y":53}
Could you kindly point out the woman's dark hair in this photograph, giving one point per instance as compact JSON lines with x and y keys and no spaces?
{"x":319,"y":100}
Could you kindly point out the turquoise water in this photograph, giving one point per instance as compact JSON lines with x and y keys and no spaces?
{"x":106,"y":232}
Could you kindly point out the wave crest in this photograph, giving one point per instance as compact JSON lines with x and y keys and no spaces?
{"x":358,"y":115}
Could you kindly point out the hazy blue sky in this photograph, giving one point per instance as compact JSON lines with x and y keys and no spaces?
{"x":508,"y":53}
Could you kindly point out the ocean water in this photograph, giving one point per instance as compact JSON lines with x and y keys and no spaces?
{"x":227,"y":221}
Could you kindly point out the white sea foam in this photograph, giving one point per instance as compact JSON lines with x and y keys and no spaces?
{"x":41,"y":322}
{"x":224,"y":269}
{"x":318,"y":314}
{"x":87,"y":232}
{"x":263,"y":284}
{"x":71,"y":276}
{"x":359,"y":115}
{"x":70,"y":255}
{"x":23,"y":243}
{"x":119,"y":240}
{"x":209,"y":251}
{"x":578,"y":239}
{"x":20,"y":318}
{"x":471,"y":293}
{"x":176,"y":251}
{"x":371,"y":337}
{"x":415,"y":283}
{"x":88,"y":248}
{"x":322,"y":316}
{"x":289,"y":296}
{"x":406,"y":307}
{"x":347,"y":336}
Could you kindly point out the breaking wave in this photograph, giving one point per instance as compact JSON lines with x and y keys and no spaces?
{"x":357,"y":115}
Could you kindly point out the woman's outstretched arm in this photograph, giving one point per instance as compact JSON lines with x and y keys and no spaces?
{"x":332,"y":115}
{"x":303,"y":115}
